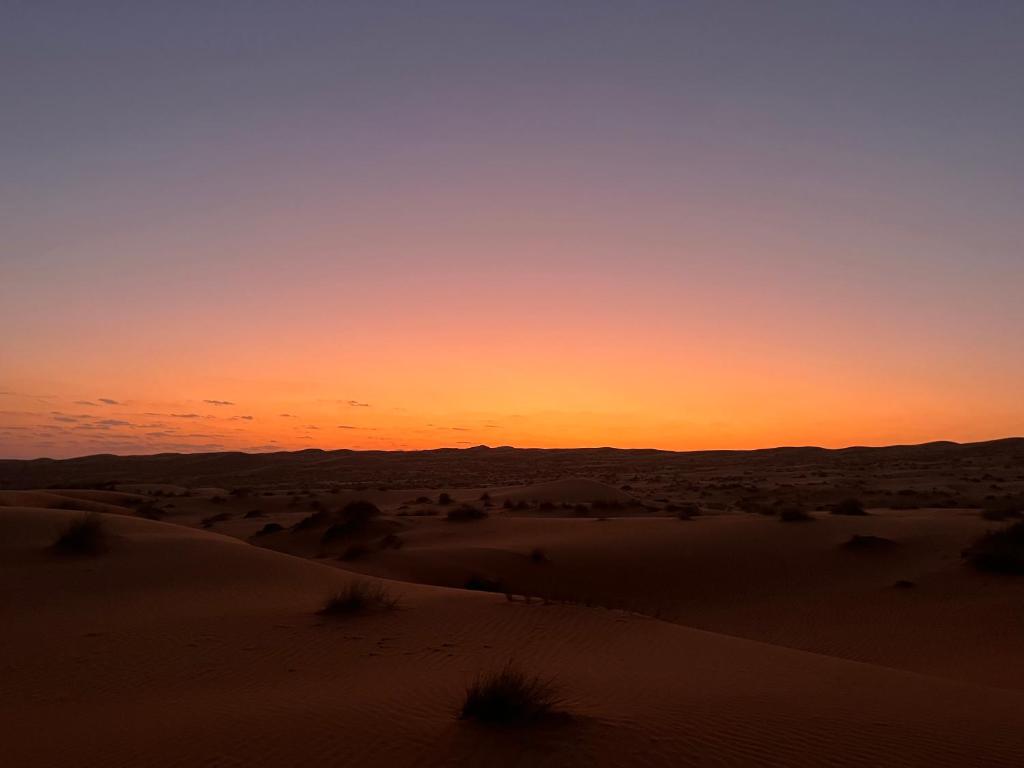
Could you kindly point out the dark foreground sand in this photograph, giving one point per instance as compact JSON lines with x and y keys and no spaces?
{"x":727,"y":639}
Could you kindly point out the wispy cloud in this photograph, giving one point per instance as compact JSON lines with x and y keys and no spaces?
{"x":108,"y":401}
{"x":182,"y":415}
{"x":218,"y":402}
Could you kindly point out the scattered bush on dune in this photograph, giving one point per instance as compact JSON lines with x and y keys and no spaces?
{"x":848,"y":507}
{"x":444,"y":499}
{"x":359,"y":597}
{"x":85,"y":535}
{"x":391,"y":541}
{"x":685,"y":511}
{"x":465,"y":513}
{"x":539,"y":556}
{"x":1000,"y":551}
{"x":479,"y":583}
{"x":269,"y":528}
{"x":254,"y":513}
{"x":209,"y":522}
{"x":311,"y":521}
{"x":355,"y":516}
{"x":1006,"y":508}
{"x":510,"y":696}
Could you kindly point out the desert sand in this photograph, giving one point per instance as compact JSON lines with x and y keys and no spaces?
{"x":678,"y":628}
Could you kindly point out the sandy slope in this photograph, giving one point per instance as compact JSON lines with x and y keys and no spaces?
{"x":185,"y":648}
{"x":752,"y":576}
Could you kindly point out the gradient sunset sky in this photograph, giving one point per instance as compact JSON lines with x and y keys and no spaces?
{"x":282,"y":225}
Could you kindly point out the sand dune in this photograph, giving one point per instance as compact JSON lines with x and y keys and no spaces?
{"x":184,"y":647}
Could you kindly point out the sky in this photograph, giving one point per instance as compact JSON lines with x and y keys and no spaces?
{"x":399,"y":225}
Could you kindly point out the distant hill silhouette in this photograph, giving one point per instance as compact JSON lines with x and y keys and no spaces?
{"x":479,"y":466}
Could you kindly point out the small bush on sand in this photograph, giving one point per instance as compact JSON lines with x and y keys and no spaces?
{"x":312,"y":521}
{"x":254,"y":513}
{"x":539,"y":556}
{"x":212,"y":520}
{"x":359,"y":597}
{"x":480,"y":583}
{"x":1000,"y":551}
{"x":685,"y":511}
{"x":391,"y":541}
{"x":848,"y":507}
{"x":269,"y":528}
{"x":465,"y":513}
{"x":444,"y":499}
{"x":794,"y":514}
{"x":510,"y":696}
{"x":85,"y":535}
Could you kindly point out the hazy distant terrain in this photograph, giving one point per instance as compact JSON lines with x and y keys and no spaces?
{"x":934,"y":474}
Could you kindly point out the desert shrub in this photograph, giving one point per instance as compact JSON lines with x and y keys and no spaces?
{"x":391,"y":541}
{"x":546,"y":506}
{"x":480,"y":583}
{"x":312,"y":521}
{"x":581,"y":509}
{"x":685,"y":511}
{"x":1000,"y":551}
{"x":509,"y":696}
{"x":508,"y":504}
{"x":848,"y":507}
{"x":1005,"y":508}
{"x":539,"y":556}
{"x":422,"y":500}
{"x":444,"y":499}
{"x":254,"y":513}
{"x":904,"y":584}
{"x":218,"y":500}
{"x":359,"y":597}
{"x":794,"y":514}
{"x":269,"y":528}
{"x":465,"y":513}
{"x":85,"y":535}
{"x":355,"y":517}
{"x":209,"y":522}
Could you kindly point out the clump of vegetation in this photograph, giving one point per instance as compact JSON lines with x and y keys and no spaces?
{"x":794,"y":514}
{"x":510,"y":696}
{"x":480,"y":583}
{"x":539,"y":556}
{"x":849,"y":507}
{"x":1006,"y":508}
{"x":391,"y":541}
{"x":269,"y":528}
{"x":1000,"y":551}
{"x":254,"y":513}
{"x":685,"y":511}
{"x":465,"y":513}
{"x":209,"y":522}
{"x":311,"y":521}
{"x":86,"y":535}
{"x":904,"y":584}
{"x":355,"y":516}
{"x":359,"y":597}
{"x":444,"y":499}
